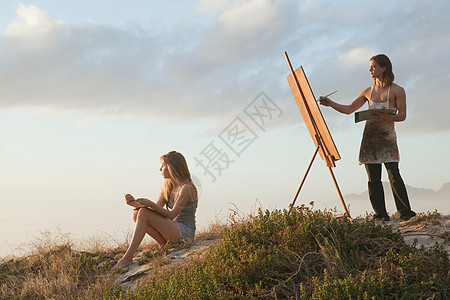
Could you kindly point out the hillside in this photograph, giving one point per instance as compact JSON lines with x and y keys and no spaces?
{"x":305,"y":255}
{"x":425,"y":230}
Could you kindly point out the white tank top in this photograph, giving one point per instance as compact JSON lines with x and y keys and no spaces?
{"x":379,"y":105}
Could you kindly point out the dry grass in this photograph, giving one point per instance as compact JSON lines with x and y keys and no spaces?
{"x":214,"y":230}
{"x":423,"y":220}
{"x":54,"y":270}
{"x":55,"y":267}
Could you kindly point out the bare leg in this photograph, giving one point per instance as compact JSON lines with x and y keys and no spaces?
{"x":155,"y":234}
{"x":157,"y":226}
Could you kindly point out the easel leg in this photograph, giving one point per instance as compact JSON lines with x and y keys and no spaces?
{"x":340,"y":194}
{"x":303,"y":180}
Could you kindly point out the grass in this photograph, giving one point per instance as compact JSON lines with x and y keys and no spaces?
{"x":272,"y":255}
{"x":54,"y":270}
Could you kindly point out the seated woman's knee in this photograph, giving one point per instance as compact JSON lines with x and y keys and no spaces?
{"x":135,"y":214}
{"x":143,"y":213}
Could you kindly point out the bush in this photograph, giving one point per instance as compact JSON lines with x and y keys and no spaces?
{"x":306,"y":255}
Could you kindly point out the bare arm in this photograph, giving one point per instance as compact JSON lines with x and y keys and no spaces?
{"x":137,"y":204}
{"x":185,"y":195}
{"x":400,"y":103}
{"x":346,"y":109}
{"x":161,"y":200}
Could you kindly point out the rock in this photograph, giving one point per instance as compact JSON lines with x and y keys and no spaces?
{"x":175,"y":258}
{"x":425,"y":230}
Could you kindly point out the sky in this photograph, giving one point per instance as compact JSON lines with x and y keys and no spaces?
{"x":92,"y":93}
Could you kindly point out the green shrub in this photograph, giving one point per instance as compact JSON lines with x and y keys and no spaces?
{"x":307,"y":255}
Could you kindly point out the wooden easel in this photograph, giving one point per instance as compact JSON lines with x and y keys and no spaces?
{"x":317,"y":128}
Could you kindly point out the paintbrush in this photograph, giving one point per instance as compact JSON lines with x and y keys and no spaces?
{"x":327,"y":95}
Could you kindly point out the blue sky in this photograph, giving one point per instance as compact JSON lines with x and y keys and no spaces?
{"x":92,"y":93}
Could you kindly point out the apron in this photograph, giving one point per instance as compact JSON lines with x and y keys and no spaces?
{"x":379,"y":141}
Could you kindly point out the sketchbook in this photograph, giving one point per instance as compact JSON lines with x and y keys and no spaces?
{"x":369,"y":114}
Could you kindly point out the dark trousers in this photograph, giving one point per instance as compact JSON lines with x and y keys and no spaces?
{"x":376,"y":193}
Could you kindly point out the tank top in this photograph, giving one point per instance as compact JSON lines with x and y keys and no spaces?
{"x":379,"y":141}
{"x":187,"y":215}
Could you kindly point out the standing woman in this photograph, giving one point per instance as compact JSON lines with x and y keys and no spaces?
{"x":177,"y":220}
{"x":379,"y":141}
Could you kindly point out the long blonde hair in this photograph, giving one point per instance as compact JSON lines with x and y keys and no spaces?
{"x":179,"y":172}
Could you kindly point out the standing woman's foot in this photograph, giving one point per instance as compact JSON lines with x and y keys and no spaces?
{"x":122,"y":263}
{"x":407,"y":216}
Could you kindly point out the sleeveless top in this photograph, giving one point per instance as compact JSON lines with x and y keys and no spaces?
{"x":379,"y":141}
{"x":187,"y":215}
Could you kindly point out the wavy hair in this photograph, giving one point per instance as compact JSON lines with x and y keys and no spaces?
{"x":384,"y":61}
{"x":179,"y":172}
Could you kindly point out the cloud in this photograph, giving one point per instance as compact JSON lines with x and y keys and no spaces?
{"x":83,"y":66}
{"x":156,"y":72}
{"x":210,"y":62}
{"x":209,"y":6}
{"x":246,"y":29}
{"x":31,"y":21}
{"x":248,"y":16}
{"x":355,"y":56}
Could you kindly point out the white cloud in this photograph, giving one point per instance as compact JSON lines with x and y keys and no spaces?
{"x":245,"y":29}
{"x":173,"y":72}
{"x":355,"y":56}
{"x":31,"y":21}
{"x":248,"y":17}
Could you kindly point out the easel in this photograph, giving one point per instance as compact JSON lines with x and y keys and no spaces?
{"x":316,"y":126}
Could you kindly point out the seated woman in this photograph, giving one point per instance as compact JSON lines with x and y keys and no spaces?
{"x":175,"y":222}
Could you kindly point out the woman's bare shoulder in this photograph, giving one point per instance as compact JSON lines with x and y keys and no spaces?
{"x":366,"y":92}
{"x":188,"y":189}
{"x":397,"y":90}
{"x":186,"y":186}
{"x":397,"y":87}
